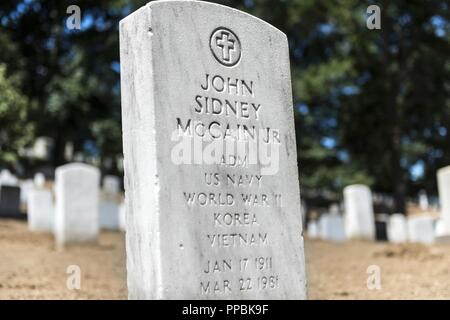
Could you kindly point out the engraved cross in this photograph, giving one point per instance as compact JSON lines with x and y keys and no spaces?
{"x":226,"y":44}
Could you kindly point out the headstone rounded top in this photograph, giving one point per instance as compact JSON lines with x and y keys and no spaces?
{"x":356,"y":188}
{"x":397,"y":217}
{"x":334,"y":209}
{"x":7,"y":178}
{"x":444,"y":170}
{"x":39,"y":179}
{"x":77,"y":167}
{"x":179,"y":4}
{"x":111,"y":184}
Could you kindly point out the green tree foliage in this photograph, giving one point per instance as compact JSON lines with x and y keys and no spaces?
{"x":72,"y":75}
{"x":16,"y":132}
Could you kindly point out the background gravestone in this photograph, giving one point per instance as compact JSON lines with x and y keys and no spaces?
{"x":25,"y":188}
{"x":111,"y":184}
{"x":109,"y":203}
{"x":397,"y":229}
{"x":331,"y":226}
{"x":359,"y":216}
{"x":77,"y":203}
{"x":8,"y":179}
{"x":122,"y":218}
{"x":196,"y":228}
{"x":41,"y":212}
{"x":313,"y":230}
{"x":421,"y":229}
{"x":109,"y":214}
{"x":39,"y":180}
{"x":443,"y":180}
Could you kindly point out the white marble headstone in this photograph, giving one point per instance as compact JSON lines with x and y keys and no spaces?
{"x":25,"y":188}
{"x":111,"y":184}
{"x":331,"y":226}
{"x":423,"y":200}
{"x":109,"y":214}
{"x":41,"y":212}
{"x":197,"y":79}
{"x":439,"y":228}
{"x":397,"y":228}
{"x":8,"y":179}
{"x":313,"y":229}
{"x":443,"y":180}
{"x":359,"y":216}
{"x":109,"y":203}
{"x":77,"y":203}
{"x":122,"y":217}
{"x":421,"y":229}
{"x":39,"y":180}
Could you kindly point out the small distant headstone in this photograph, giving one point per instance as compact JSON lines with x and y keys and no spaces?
{"x":397,"y":228}
{"x":122,"y":217}
{"x":423,"y":200}
{"x":41,"y":212}
{"x":25,"y":188}
{"x":331,"y":227}
{"x":77,"y":203}
{"x":226,"y":225}
{"x":439,"y":228}
{"x":109,"y":204}
{"x":421,"y":229}
{"x":313,"y":229}
{"x":334,"y":209}
{"x":39,"y":180}
{"x":10,"y":201}
{"x":109,"y":214}
{"x":8,"y":179}
{"x":111,"y":184}
{"x":359,"y":216}
{"x":443,"y":179}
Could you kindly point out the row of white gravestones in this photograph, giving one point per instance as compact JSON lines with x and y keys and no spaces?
{"x":400,"y":229}
{"x":77,"y":204}
{"x":202,"y":224}
{"x":417,"y":229}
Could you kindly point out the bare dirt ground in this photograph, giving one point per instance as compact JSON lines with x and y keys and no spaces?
{"x":32,"y":268}
{"x":411,"y":271}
